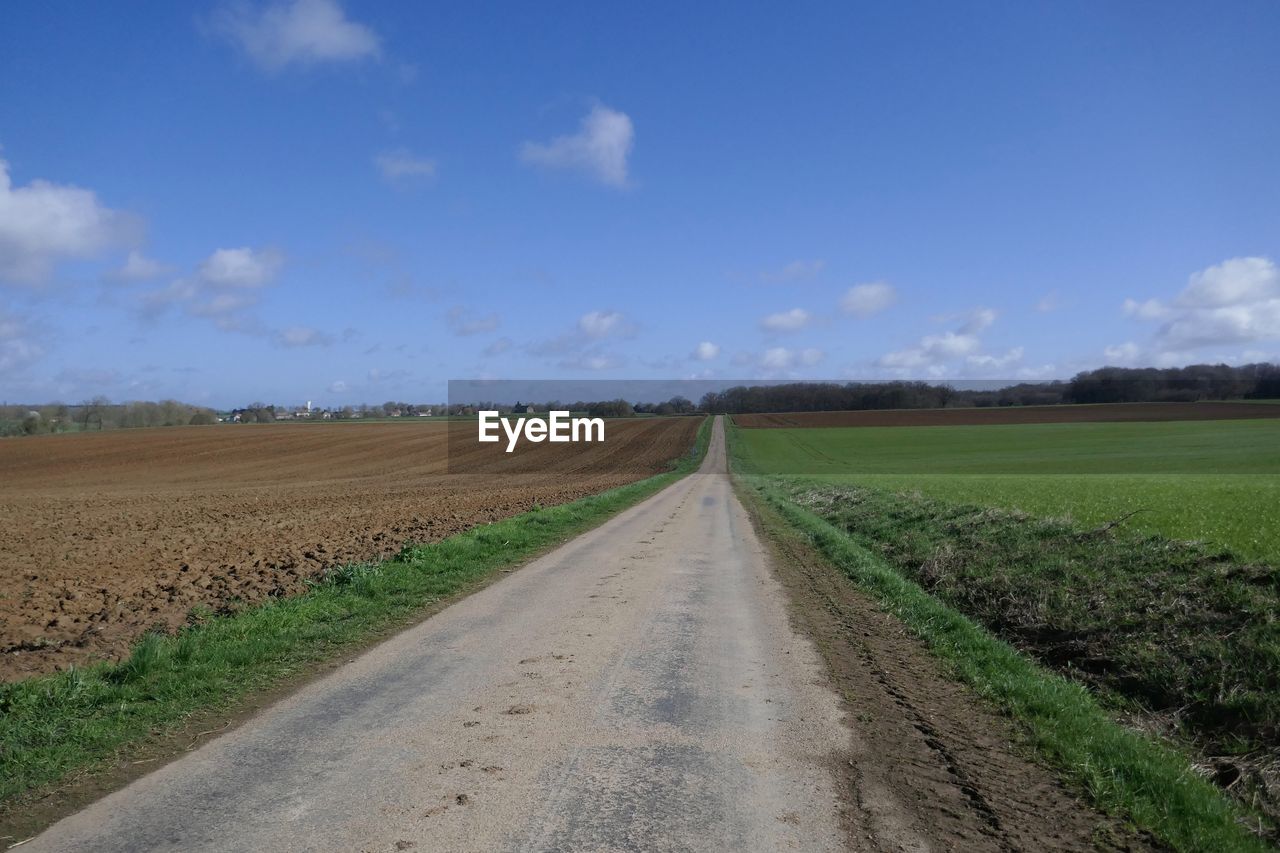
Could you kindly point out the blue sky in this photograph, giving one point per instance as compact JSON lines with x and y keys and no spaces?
{"x":356,"y":201}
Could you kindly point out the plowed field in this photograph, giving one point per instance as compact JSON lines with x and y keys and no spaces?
{"x":1102,"y":413}
{"x":105,"y":535}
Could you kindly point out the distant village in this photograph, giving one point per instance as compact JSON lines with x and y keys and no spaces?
{"x":263,"y":413}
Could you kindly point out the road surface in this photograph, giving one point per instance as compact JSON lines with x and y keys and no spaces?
{"x":640,"y":687}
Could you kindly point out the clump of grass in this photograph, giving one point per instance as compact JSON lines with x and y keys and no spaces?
{"x":82,"y":717}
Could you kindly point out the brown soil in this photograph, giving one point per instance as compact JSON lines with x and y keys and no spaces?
{"x":933,"y":767}
{"x":105,"y":535}
{"x":1103,"y":413}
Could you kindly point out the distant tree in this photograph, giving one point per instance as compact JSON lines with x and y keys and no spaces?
{"x":92,"y":411}
{"x":610,"y":409}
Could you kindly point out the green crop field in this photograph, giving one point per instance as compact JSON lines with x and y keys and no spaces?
{"x":1137,"y":560}
{"x":1214,"y":481}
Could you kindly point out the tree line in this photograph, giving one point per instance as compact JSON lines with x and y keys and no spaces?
{"x":1104,"y":385}
{"x":100,"y":413}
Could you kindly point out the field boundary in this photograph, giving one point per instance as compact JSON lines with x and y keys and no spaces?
{"x":71,"y":737}
{"x":1123,"y":772}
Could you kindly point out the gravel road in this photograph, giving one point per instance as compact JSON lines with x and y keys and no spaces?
{"x":640,"y":687}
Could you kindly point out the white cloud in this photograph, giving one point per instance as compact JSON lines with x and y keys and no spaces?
{"x":786,"y":321}
{"x":599,"y":324}
{"x":42,"y":223}
{"x":863,"y":300}
{"x":1236,"y":302}
{"x":578,"y":348}
{"x":338,"y":386}
{"x":138,"y":267}
{"x":1123,"y":354}
{"x":794,"y":271}
{"x":706,"y":351}
{"x":243,"y":267}
{"x":1152,"y":309}
{"x":224,"y":286}
{"x":935,"y":354}
{"x":600,"y":148}
{"x":1238,"y":281}
{"x":777,"y":359}
{"x":932,"y":351}
{"x":301,"y":31}
{"x":302,"y":336}
{"x":996,"y":362}
{"x":401,"y":167}
{"x":1236,"y":324}
{"x":462,"y":322}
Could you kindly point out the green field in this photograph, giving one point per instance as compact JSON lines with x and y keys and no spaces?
{"x":1214,"y":481}
{"x":1135,"y":560}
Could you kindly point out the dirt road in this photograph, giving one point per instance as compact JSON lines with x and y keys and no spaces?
{"x":639,"y":687}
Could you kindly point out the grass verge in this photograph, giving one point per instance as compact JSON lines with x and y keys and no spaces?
{"x":75,"y":720}
{"x":1124,"y":772}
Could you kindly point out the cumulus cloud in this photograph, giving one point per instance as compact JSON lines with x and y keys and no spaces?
{"x":401,"y":167}
{"x":338,"y":386}
{"x":599,"y":149}
{"x":301,"y":31}
{"x":863,"y":300}
{"x":224,"y":286}
{"x":786,"y":321}
{"x":932,"y":350}
{"x":240,"y":268}
{"x":464,"y":323}
{"x":1238,"y":281}
{"x":934,"y":354}
{"x":706,"y":351}
{"x":302,"y":336}
{"x":138,"y":267}
{"x":42,"y":223}
{"x":1234,"y":303}
{"x":794,"y":271}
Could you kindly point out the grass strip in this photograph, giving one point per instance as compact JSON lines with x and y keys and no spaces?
{"x":1178,"y":631}
{"x":81,"y":718}
{"x":1124,"y":772}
